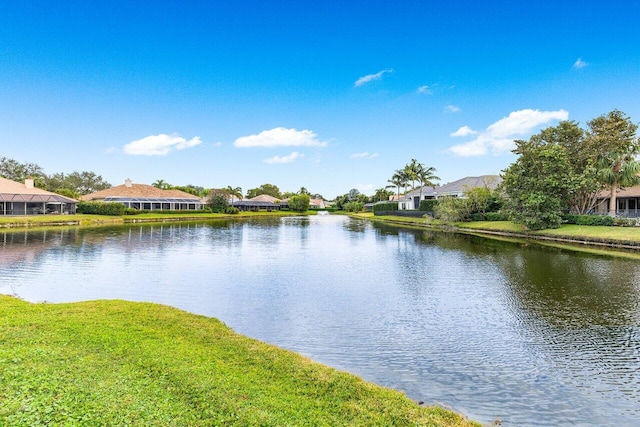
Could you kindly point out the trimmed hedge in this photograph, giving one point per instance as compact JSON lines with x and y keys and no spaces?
{"x":232,"y":210}
{"x":101,"y":208}
{"x":428,"y":205}
{"x":379,"y":207}
{"x":589,"y":219}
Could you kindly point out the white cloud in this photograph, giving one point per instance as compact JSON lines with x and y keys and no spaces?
{"x":464,"y":131}
{"x":284,"y":159}
{"x":580,"y":64}
{"x":160,"y":145}
{"x":499,"y":136}
{"x":111,"y":150}
{"x":281,"y":137}
{"x":371,"y":77}
{"x":217,"y":144}
{"x":452,"y":108}
{"x":425,"y":90}
{"x":363,"y":155}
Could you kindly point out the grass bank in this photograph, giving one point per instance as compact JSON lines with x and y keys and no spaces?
{"x":14,"y":222}
{"x":614,"y":237}
{"x":122,"y":363}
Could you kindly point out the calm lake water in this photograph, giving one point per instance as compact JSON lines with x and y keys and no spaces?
{"x":534,"y":335}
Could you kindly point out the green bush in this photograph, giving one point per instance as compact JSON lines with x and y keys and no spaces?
{"x":428,"y":205}
{"x":353,"y":206}
{"x":382,"y":207}
{"x":101,"y":208}
{"x":131,"y":211}
{"x":624,"y":222}
{"x":495,"y":216}
{"x":588,"y":219}
{"x":477,"y":217}
{"x":232,"y":210}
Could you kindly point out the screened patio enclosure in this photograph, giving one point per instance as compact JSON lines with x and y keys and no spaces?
{"x":35,"y":204}
{"x":156,"y":204}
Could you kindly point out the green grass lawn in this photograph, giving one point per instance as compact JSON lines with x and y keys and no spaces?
{"x":120,"y":363}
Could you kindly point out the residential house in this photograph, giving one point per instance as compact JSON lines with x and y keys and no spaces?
{"x":411,"y":200}
{"x":146,"y":197}
{"x":25,"y":199}
{"x":261,"y":202}
{"x":627,"y":202}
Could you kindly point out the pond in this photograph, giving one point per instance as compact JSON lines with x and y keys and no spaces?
{"x":535,"y":335}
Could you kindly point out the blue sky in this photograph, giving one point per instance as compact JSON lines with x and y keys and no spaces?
{"x":323,"y":94}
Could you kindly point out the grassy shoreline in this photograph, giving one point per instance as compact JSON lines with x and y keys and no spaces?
{"x":582,"y":236}
{"x":125,"y":363}
{"x":82,"y":220}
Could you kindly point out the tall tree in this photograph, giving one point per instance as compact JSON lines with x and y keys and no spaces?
{"x":269,"y":189}
{"x":537,"y":186}
{"x":16,"y":171}
{"x":234,"y":192}
{"x":426,"y":176}
{"x":615,"y":135}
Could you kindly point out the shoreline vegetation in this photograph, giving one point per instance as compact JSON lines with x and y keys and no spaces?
{"x":86,"y":220}
{"x":580,"y":237}
{"x":130,"y":363}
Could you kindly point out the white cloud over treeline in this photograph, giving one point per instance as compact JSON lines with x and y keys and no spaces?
{"x":499,"y":136}
{"x":160,"y":145}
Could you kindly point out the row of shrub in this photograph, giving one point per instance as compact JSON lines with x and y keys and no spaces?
{"x":588,"y":219}
{"x":428,"y":205}
{"x":132,"y":211}
{"x":489,"y":216}
{"x":101,"y":208}
{"x":384,"y":207}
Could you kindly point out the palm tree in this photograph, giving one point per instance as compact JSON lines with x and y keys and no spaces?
{"x":615,"y":135}
{"x":426,"y":177}
{"x":234,"y":192}
{"x":161,"y":183}
{"x":399,"y":179}
{"x":411,"y":170}
{"x":618,"y":170}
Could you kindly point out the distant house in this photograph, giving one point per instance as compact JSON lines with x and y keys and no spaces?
{"x":457,"y":188}
{"x":146,"y":197}
{"x":627,"y":202}
{"x":25,"y":199}
{"x":261,"y":202}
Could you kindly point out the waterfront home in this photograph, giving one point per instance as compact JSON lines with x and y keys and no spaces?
{"x":627,"y":202}
{"x":411,"y":200}
{"x":146,"y":197}
{"x":261,"y":202}
{"x":25,"y":199}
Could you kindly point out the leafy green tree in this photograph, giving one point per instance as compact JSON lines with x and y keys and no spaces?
{"x":381,"y":195}
{"x":16,"y":171}
{"x":615,"y":135}
{"x":299,"y":203}
{"x":186,"y":188}
{"x":268,"y":189}
{"x":353,"y":206}
{"x":537,"y":186}
{"x":218,"y":200}
{"x":303,"y":190}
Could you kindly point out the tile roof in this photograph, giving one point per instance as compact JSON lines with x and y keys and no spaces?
{"x":138,"y":191}
{"x":12,"y":191}
{"x":265,"y":198}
